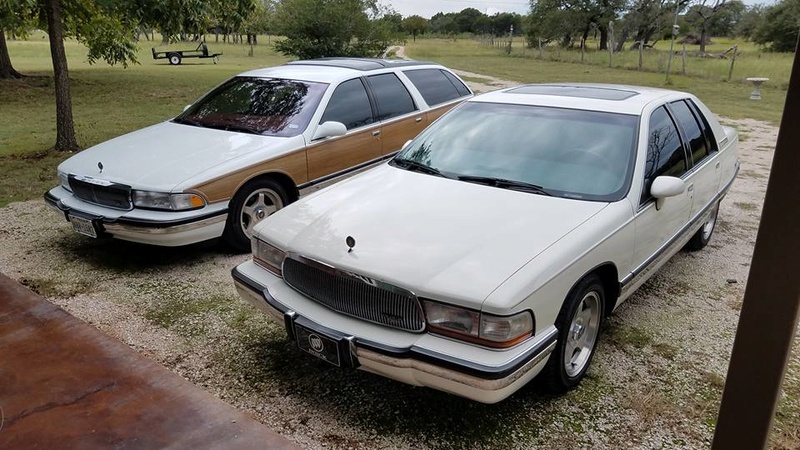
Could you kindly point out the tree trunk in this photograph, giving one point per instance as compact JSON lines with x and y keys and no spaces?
{"x":621,"y":41}
{"x":65,"y":127}
{"x":603,"y":38}
{"x":6,"y":69}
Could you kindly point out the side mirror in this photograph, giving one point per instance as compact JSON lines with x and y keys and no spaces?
{"x":328,"y":129}
{"x":405,"y":145}
{"x":664,"y":187}
{"x":187,"y":107}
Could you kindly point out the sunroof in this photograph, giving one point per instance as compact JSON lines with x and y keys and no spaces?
{"x":594,"y":92}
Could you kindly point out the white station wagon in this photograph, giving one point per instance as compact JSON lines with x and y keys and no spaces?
{"x":249,"y":147}
{"x":491,"y":247}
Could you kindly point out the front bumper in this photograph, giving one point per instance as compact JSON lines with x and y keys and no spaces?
{"x":481,"y":374}
{"x":163,"y":228}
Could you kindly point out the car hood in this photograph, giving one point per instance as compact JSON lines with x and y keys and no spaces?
{"x":162,"y":156}
{"x":440,"y":238}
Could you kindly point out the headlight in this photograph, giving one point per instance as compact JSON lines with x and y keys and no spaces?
{"x":481,"y":328}
{"x":63,"y":179}
{"x":171,"y":202}
{"x":268,"y":256}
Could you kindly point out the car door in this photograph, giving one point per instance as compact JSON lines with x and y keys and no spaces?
{"x":703,"y":176}
{"x":400,"y":117}
{"x":350,"y":105}
{"x":658,"y":227}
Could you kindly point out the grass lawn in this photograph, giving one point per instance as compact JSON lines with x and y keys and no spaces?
{"x":110,"y":101}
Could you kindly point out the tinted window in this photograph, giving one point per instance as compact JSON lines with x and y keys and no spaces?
{"x":434,"y":85}
{"x":391,"y":96}
{"x":262,"y":106}
{"x":665,"y":155}
{"x":698,"y":146}
{"x":459,"y":85}
{"x":576,"y":154}
{"x":712,"y":143}
{"x":349,"y":105}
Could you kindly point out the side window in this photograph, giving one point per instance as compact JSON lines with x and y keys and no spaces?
{"x":391,"y":96}
{"x":435,"y":86}
{"x":712,"y":142}
{"x":349,"y":105}
{"x":459,"y":85}
{"x":665,"y":154}
{"x":698,"y":145}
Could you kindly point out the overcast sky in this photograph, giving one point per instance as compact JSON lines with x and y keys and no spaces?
{"x":427,"y":8}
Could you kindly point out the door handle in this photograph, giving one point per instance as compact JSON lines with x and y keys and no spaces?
{"x":690,"y":188}
{"x":717,"y":165}
{"x":419,"y":119}
{"x":376,"y":132}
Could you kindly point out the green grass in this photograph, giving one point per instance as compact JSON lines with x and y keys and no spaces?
{"x":730,"y":99}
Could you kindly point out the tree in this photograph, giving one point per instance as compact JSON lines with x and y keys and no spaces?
{"x":647,"y":20}
{"x":415,"y":25}
{"x":551,"y":19}
{"x":15,"y":16}
{"x":324,"y":28}
{"x":779,"y":29}
{"x":749,"y":21}
{"x":701,"y":17}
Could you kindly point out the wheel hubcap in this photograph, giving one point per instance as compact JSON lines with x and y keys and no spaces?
{"x":257,"y":207}
{"x":708,"y":228}
{"x":583,"y":331}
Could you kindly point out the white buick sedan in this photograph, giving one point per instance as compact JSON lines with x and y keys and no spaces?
{"x":490,"y":249}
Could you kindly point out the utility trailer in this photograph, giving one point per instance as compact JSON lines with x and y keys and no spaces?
{"x":176,"y":56}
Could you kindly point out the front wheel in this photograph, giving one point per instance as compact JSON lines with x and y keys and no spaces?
{"x":174,"y":59}
{"x":703,"y":235}
{"x":578,"y":325}
{"x":254,"y":202}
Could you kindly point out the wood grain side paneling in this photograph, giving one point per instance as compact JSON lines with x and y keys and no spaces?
{"x":223,"y":188}
{"x":336,"y":154}
{"x":395,"y":134}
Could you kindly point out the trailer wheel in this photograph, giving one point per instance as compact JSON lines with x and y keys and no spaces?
{"x":174,"y":59}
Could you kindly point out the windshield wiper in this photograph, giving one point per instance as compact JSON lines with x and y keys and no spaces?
{"x":242,"y":128}
{"x":417,"y":166}
{"x":506,"y":184}
{"x":185,"y":121}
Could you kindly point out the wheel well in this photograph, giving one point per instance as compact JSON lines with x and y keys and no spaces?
{"x":609,"y":276}
{"x":284,"y":180}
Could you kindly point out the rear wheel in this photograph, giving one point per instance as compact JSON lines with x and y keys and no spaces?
{"x":578,"y":325}
{"x":254,"y":202}
{"x":703,"y":235}
{"x":174,"y":59}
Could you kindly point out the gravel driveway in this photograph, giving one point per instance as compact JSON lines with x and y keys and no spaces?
{"x":656,"y":380}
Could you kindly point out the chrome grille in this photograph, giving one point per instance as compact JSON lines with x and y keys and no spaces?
{"x":354,"y":295}
{"x":113,"y":195}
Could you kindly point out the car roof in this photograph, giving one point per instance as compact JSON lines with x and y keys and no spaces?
{"x":623,"y":99}
{"x":329,"y":70}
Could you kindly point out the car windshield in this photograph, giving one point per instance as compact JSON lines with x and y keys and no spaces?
{"x":271,"y":107}
{"x":542,"y":150}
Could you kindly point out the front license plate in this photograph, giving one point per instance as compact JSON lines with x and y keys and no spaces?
{"x":83,"y":226}
{"x":317,"y":344}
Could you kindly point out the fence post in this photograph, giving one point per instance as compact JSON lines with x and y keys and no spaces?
{"x":540,"y":48}
{"x":583,"y":48}
{"x":611,"y":44}
{"x":641,"y":53}
{"x":683,"y":60}
{"x":733,"y":61}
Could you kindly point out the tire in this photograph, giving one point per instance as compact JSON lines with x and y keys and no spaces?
{"x":174,"y":59}
{"x":254,"y":202}
{"x":703,"y":235}
{"x":578,"y":326}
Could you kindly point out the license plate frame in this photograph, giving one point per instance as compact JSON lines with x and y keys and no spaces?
{"x":318,"y":344}
{"x":83,"y":226}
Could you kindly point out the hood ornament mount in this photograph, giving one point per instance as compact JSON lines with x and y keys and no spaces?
{"x":100,"y":166}
{"x":351,"y":242}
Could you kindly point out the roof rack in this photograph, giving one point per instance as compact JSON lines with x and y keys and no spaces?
{"x":363,"y":64}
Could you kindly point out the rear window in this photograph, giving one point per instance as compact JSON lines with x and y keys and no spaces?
{"x":437,"y":86}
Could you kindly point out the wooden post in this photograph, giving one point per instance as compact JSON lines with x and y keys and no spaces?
{"x":611,"y":44}
{"x":540,"y":48}
{"x":583,"y":49}
{"x":733,"y":61}
{"x":641,"y":54}
{"x":683,"y":60}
